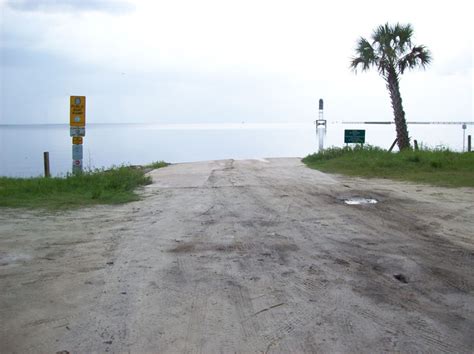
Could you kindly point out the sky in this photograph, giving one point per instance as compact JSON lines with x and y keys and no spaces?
{"x":224,"y":61}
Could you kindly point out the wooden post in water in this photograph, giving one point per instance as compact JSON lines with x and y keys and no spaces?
{"x":46,"y":164}
{"x":469,"y":143}
{"x":416,"y":144}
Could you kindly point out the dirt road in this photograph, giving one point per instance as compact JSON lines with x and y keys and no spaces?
{"x":244,"y":256}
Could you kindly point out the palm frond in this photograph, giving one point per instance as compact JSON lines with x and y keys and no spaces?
{"x":379,"y":38}
{"x":404,"y":34}
{"x":385,"y":42}
{"x":383,"y":65}
{"x":365,"y":55}
{"x":418,"y":56}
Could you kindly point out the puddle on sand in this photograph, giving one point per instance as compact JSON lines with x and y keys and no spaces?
{"x":360,"y":201}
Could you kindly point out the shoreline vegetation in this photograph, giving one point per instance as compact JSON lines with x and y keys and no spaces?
{"x":438,"y":167}
{"x":100,"y":186}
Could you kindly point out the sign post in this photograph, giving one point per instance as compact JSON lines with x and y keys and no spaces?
{"x":77,"y":123}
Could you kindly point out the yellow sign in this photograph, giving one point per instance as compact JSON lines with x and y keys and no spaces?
{"x":77,"y":140}
{"x":78,"y":111}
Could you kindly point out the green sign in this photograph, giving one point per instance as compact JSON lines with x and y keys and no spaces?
{"x":352,"y":136}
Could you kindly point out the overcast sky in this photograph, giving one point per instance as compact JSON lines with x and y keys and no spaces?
{"x":224,"y":61}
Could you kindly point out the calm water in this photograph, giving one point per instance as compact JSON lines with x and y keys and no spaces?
{"x":22,"y":147}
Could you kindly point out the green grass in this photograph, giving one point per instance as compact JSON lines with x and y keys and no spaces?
{"x":157,"y":164}
{"x":439,"y":167}
{"x":113,"y":186}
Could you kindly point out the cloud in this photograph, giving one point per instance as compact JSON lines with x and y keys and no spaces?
{"x":115,"y":7}
{"x":216,"y":61}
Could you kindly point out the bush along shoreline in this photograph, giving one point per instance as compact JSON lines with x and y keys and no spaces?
{"x":112,"y":186}
{"x":439,"y":167}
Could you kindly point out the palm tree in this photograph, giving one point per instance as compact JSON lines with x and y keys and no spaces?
{"x":392,"y":52}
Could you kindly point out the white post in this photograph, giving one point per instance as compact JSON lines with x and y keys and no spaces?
{"x":321,"y":126}
{"x":321,"y":133}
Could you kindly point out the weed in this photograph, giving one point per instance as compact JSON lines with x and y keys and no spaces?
{"x":157,"y":164}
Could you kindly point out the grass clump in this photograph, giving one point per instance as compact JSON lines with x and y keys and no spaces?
{"x":440,"y":167}
{"x":157,"y":164}
{"x":113,"y":186}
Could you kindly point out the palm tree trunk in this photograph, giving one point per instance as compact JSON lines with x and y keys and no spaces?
{"x":393,"y":87}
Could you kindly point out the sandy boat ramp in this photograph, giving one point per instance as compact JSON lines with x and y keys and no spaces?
{"x":250,"y":256}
